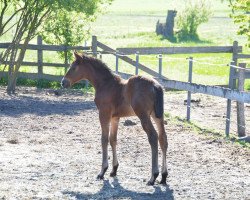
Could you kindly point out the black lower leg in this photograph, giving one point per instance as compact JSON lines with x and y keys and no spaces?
{"x":152,"y":182}
{"x":101,"y":175}
{"x":113,"y":173}
{"x":164,"y":177}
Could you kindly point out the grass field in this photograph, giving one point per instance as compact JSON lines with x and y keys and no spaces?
{"x":132,"y":24}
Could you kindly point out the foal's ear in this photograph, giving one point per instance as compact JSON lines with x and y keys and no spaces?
{"x":77,"y":56}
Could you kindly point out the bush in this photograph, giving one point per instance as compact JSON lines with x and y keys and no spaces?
{"x":194,"y":14}
{"x":42,"y":83}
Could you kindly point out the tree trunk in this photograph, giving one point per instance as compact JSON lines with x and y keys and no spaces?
{"x":169,"y":29}
{"x":13,"y":71}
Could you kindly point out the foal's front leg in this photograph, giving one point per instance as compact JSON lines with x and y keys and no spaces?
{"x":105,"y":123}
{"x":113,"y":143}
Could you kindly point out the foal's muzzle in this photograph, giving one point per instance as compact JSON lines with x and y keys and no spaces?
{"x":65,"y":83}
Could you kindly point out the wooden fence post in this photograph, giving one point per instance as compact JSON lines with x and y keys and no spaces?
{"x":94,"y":45}
{"x":229,"y":102}
{"x":137,"y":63}
{"x":190,"y":70}
{"x":66,"y":61}
{"x":235,"y":52}
{"x":116,"y":62}
{"x":240,"y":105}
{"x":40,"y":57}
{"x":160,"y":65}
{"x":235,"y":59}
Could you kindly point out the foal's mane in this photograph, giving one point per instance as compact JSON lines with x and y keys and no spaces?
{"x":100,"y":66}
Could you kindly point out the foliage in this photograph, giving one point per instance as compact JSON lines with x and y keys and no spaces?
{"x":43,"y":83}
{"x":194,"y":14}
{"x":69,"y":30}
{"x":31,"y":14}
{"x":241,"y":16}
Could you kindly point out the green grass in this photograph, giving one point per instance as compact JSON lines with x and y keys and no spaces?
{"x":45,"y":84}
{"x":209,"y":133}
{"x":132,"y":24}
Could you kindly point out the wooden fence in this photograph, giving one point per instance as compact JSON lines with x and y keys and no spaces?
{"x":40,"y":48}
{"x":230,"y":93}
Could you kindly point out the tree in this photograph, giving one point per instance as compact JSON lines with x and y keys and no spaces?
{"x":241,"y":16}
{"x":194,"y":14}
{"x":32,"y":15}
{"x":69,"y":30}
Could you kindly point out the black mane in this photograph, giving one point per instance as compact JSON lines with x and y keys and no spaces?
{"x":100,"y":66}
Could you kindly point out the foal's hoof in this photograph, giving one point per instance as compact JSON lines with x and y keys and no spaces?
{"x":152,"y":180}
{"x":100,"y":177}
{"x":163,"y":178}
{"x":113,"y":173}
{"x":150,"y":183}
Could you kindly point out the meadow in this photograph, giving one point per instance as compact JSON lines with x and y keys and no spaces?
{"x":132,"y":24}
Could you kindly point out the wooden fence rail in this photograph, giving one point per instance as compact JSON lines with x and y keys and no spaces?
{"x":179,"y":50}
{"x":217,"y":91}
{"x":45,"y":47}
{"x":129,"y":60}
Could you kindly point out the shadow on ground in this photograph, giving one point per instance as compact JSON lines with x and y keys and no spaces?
{"x":116,"y":191}
{"x":22,"y":105}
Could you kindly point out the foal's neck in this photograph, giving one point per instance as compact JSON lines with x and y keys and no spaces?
{"x":100,"y":75}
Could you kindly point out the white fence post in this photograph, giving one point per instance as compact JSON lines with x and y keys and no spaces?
{"x":116,"y":62}
{"x":240,"y":106}
{"x":229,"y":101}
{"x":190,"y":70}
{"x":160,"y":65}
{"x":137,"y":63}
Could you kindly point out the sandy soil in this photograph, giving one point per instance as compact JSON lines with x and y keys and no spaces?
{"x":50,"y":149}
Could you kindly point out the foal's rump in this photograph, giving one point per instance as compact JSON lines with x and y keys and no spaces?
{"x":146,"y":96}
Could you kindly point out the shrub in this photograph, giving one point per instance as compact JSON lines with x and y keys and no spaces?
{"x":241,"y":16}
{"x":194,"y":14}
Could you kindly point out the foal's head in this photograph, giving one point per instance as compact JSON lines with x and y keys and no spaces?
{"x":76,"y":72}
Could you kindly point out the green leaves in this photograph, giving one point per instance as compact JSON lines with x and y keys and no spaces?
{"x":69,"y":21}
{"x":241,"y":16}
{"x":194,"y":14}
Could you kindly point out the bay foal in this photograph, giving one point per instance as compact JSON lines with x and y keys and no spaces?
{"x":115,"y":98}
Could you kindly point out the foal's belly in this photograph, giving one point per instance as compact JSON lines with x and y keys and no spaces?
{"x":124,"y":110}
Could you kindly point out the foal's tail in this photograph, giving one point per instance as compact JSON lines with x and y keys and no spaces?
{"x":159,"y":102}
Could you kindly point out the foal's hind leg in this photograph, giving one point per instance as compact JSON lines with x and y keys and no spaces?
{"x":153,"y":141}
{"x":113,"y":143}
{"x":164,"y":145}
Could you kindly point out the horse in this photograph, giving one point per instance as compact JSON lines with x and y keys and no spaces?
{"x":115,"y":98}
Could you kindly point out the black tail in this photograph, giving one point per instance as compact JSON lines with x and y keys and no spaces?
{"x":159,"y":101}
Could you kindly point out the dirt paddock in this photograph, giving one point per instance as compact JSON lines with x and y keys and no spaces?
{"x":50,"y":149}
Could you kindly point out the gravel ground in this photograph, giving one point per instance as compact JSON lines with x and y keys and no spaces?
{"x":50,"y":149}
